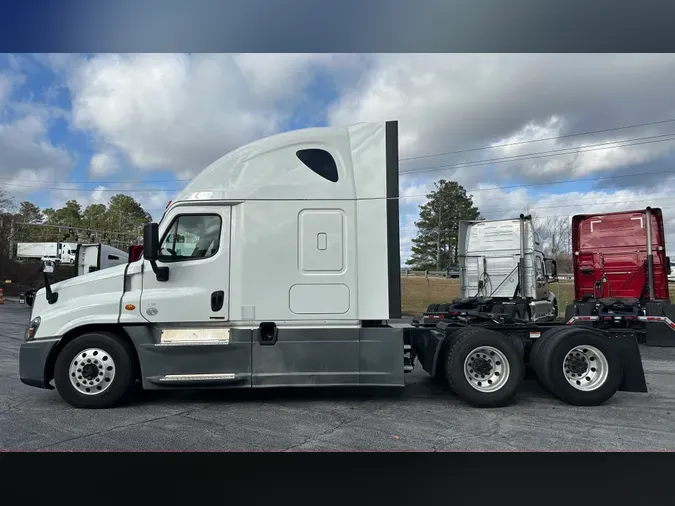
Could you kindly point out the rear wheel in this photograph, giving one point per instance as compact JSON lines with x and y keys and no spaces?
{"x":484,"y":368}
{"x":581,"y":367}
{"x":535,"y":352}
{"x":95,"y":370}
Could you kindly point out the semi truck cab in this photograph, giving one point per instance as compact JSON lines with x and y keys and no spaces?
{"x":621,"y":273}
{"x":277,"y":265}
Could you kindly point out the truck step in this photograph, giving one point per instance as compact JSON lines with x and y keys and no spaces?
{"x":194,"y":379}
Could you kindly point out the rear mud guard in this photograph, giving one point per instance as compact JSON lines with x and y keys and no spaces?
{"x":633,"y":372}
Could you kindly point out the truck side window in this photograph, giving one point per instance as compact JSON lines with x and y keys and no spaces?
{"x":320,"y":162}
{"x":190,"y":237}
{"x":539,"y":267}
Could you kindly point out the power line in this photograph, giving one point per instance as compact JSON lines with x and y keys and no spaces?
{"x":515,"y":158}
{"x":489,"y":161}
{"x":482,"y":162}
{"x":545,"y":154}
{"x":547,"y":183}
{"x":580,"y":134}
{"x":76,"y":228}
{"x":506,"y":187}
{"x":534,"y":208}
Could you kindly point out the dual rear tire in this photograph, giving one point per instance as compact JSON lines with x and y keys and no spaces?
{"x":578,"y":365}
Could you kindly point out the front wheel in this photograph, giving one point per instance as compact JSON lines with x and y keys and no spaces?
{"x":484,"y":368}
{"x":95,"y":370}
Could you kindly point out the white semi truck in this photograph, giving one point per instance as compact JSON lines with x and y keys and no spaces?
{"x":292,"y":279}
{"x":502,"y":270}
{"x":63,"y":252}
{"x":97,"y":256}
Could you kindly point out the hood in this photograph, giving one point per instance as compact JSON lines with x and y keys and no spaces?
{"x":78,"y":291}
{"x":103,"y":274}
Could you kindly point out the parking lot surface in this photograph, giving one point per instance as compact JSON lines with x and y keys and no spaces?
{"x":422,"y":417}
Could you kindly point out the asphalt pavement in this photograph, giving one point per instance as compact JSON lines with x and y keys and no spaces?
{"x":423,"y":416}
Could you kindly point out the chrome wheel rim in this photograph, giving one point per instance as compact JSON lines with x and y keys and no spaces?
{"x":586,"y":368}
{"x":92,"y":371}
{"x":486,"y":369}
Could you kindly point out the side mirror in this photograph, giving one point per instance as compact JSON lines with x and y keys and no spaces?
{"x":151,"y":241}
{"x":48,"y":267}
{"x":669,"y":270}
{"x":151,"y":250}
{"x":552,"y":270}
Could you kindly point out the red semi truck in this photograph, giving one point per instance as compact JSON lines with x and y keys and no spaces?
{"x":621,"y":274}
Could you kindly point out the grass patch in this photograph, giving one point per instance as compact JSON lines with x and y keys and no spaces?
{"x":418,"y":292}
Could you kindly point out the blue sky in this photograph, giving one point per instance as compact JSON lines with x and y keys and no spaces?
{"x":77,"y":126}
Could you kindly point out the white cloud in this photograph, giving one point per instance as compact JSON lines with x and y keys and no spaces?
{"x":102,"y":164}
{"x":29,"y":160}
{"x":5,"y":88}
{"x":447,"y":103}
{"x":181,"y":112}
{"x":454,"y":102}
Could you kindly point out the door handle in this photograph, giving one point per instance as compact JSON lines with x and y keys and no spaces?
{"x":217,"y":300}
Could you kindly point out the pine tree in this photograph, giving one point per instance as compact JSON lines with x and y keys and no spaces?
{"x":435,"y":247}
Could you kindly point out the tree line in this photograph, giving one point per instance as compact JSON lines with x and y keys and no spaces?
{"x":119,"y":224}
{"x":435,"y":246}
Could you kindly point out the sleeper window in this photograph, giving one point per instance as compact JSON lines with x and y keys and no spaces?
{"x":190,"y":237}
{"x":320,"y":162}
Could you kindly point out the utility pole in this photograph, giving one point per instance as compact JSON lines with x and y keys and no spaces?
{"x":11,"y":238}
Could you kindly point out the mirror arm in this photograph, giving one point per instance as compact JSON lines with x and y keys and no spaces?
{"x":52,"y":297}
{"x":162,"y":273}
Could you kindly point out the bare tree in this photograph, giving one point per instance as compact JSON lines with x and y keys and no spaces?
{"x":556,"y":235}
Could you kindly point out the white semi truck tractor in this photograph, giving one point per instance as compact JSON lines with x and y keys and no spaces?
{"x":279,"y":265}
{"x":502,"y":270}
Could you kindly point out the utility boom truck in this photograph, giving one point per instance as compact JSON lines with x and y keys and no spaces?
{"x":279,"y":265}
{"x":621,"y":275}
{"x":502,"y":269}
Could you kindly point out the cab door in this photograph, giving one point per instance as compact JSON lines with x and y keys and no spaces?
{"x":195,"y":246}
{"x":188,"y":313}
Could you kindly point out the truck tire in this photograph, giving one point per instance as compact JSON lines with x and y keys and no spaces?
{"x":484,"y":368}
{"x":534,"y":361}
{"x":95,"y":370}
{"x":580,"y":366}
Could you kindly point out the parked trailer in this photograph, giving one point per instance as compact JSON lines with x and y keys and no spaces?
{"x":621,"y":275}
{"x":304,"y":299}
{"x":60,"y":251}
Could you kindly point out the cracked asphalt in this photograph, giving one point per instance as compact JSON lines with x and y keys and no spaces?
{"x":422,"y":417}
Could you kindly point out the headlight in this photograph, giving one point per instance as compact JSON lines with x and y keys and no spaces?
{"x":32,"y":329}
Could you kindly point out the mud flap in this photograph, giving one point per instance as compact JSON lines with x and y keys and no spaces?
{"x":659,"y":334}
{"x":633,"y":372}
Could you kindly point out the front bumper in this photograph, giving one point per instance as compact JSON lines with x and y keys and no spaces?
{"x":33,"y":357}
